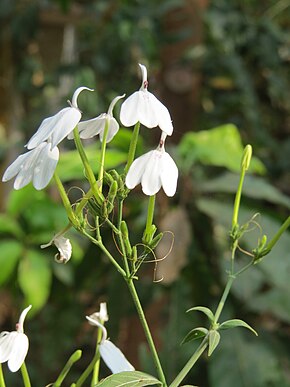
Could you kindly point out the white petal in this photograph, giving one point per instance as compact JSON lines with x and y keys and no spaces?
{"x":144,"y":76}
{"x":7,"y":340}
{"x":91,"y":128}
{"x":66,"y":124}
{"x":136,"y":170}
{"x":25,"y":174}
{"x":76,"y":94}
{"x":114,"y":358}
{"x":113,"y":103}
{"x":15,"y":167}
{"x":169,"y":174}
{"x":129,"y":110}
{"x":19,"y":352}
{"x":147,"y":111}
{"x":64,"y":247}
{"x":164,"y":119}
{"x":22,"y":318}
{"x":113,"y":129}
{"x":151,"y":181}
{"x":45,"y":166}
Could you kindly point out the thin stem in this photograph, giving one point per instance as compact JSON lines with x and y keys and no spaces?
{"x":277,"y":236}
{"x":223,"y":298}
{"x":95,"y":377}
{"x":132,"y":148}
{"x":147,"y":331}
{"x":191,"y":362}
{"x":238,"y":199}
{"x":87,"y":371}
{"x":150,"y":214}
{"x":2,"y":380}
{"x":89,"y":172}
{"x":74,"y":358}
{"x":25,"y":376}
{"x":103,"y":154}
{"x":64,"y":197}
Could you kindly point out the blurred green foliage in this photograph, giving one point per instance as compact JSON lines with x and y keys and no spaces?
{"x":243,"y":61}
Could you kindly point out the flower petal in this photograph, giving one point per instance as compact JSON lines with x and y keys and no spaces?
{"x":136,"y":170}
{"x":169,"y":174}
{"x":64,"y":247}
{"x":45,"y":166}
{"x":151,"y":181}
{"x":66,"y":124}
{"x":16,"y":166}
{"x":129,"y":110}
{"x":91,"y":128}
{"x":7,"y":340}
{"x":19,"y":352}
{"x":114,"y":358}
{"x":113,"y":129}
{"x":164,"y":119}
{"x":147,"y":111}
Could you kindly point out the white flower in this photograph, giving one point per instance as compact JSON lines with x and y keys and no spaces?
{"x":112,"y":356}
{"x":37,"y":165}
{"x":154,"y":170}
{"x":144,"y":107}
{"x":91,"y":128}
{"x":57,"y":127}
{"x":64,"y":248}
{"x":14,"y":345}
{"x":100,"y":316}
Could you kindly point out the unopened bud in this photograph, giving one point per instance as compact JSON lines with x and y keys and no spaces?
{"x":111,"y":196}
{"x":246,"y":159}
{"x":155,"y":241}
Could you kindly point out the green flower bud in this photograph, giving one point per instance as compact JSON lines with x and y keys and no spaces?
{"x":111,"y":196}
{"x":246,"y":159}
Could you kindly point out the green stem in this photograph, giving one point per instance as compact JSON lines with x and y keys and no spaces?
{"x":191,"y":362}
{"x":89,"y":172}
{"x":278,"y":235}
{"x":64,"y":197}
{"x":150,"y":214}
{"x":238,"y":199}
{"x":96,"y":371}
{"x":25,"y":376}
{"x":147,"y":331}
{"x":223,"y":298}
{"x":2,"y":380}
{"x":74,"y":358}
{"x":132,"y":148}
{"x":87,"y":371}
{"x":103,"y":154}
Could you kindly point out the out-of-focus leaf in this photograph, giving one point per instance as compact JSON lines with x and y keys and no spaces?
{"x":20,"y":200}
{"x":254,"y":187}
{"x":122,"y":141}
{"x":229,"y":324}
{"x":10,"y":253}
{"x":242,"y":361}
{"x":221,"y":146}
{"x":213,"y":341}
{"x":9,"y":225}
{"x":70,"y":166}
{"x":34,"y":276}
{"x":195,"y":334}
{"x":64,"y":273}
{"x":129,"y":379}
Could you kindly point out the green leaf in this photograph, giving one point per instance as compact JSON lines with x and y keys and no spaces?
{"x":34,"y":276}
{"x":70,"y":166}
{"x":213,"y":341}
{"x":8,"y":225}
{"x":221,"y":146}
{"x":21,"y":199}
{"x":236,"y":323}
{"x":195,"y":334}
{"x":10,"y":253}
{"x":129,"y":379}
{"x":204,"y":310}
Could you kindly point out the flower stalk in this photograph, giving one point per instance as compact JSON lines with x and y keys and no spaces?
{"x":73,"y":359}
{"x":2,"y":380}
{"x":25,"y":376}
{"x":132,"y":147}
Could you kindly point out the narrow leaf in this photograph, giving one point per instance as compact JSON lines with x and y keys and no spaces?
{"x":129,"y":379}
{"x":236,"y":323}
{"x":214,"y":339}
{"x":204,"y":310}
{"x":195,"y":334}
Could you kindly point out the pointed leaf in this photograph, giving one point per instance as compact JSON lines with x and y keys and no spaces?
{"x":214,"y":339}
{"x":9,"y":225}
{"x":236,"y":323}
{"x":129,"y":379}
{"x":10,"y":253}
{"x":195,"y":334}
{"x":204,"y":310}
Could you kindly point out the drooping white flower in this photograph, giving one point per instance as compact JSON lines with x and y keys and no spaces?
{"x":91,"y":128}
{"x":64,"y":248}
{"x":100,"y":316}
{"x":56,"y":128}
{"x":37,"y":165}
{"x":154,"y":170}
{"x":14,"y":345}
{"x":112,"y":356}
{"x":144,"y":107}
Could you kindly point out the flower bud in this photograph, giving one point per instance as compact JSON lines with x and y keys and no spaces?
{"x":111,"y":196}
{"x":246,"y":159}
